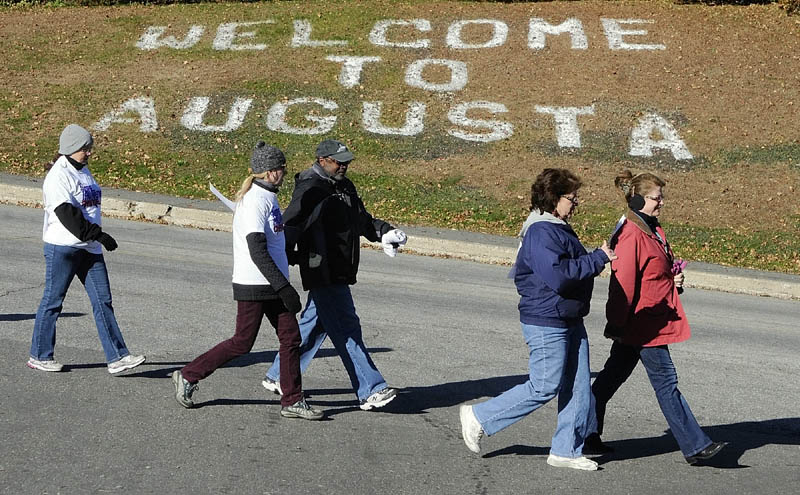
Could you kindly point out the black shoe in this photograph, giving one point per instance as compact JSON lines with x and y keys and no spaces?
{"x":593,"y":445}
{"x":707,"y":453}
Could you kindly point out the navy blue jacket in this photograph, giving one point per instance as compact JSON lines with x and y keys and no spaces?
{"x":555,"y":275}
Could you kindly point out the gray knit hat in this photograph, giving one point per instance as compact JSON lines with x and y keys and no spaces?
{"x":266,"y":157}
{"x":74,"y":138}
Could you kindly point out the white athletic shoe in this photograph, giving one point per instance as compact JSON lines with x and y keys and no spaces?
{"x":581,"y":463}
{"x":126,"y":363}
{"x":471,"y":429}
{"x":48,"y":365}
{"x":272,"y":386}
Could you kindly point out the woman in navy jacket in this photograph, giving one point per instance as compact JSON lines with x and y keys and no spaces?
{"x":554,"y":277}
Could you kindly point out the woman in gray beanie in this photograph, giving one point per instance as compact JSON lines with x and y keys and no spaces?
{"x":260,"y":287}
{"x":73,"y":245}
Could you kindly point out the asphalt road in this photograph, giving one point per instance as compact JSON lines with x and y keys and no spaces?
{"x":443,"y":331}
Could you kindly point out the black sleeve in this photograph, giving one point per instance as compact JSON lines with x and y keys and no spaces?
{"x":73,"y":220}
{"x":257,"y":245}
{"x":371,"y":228}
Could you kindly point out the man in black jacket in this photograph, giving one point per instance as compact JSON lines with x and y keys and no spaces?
{"x":323,"y":225}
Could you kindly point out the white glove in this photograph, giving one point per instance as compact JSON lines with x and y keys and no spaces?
{"x":393,"y":240}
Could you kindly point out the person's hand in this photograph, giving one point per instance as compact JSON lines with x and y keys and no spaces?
{"x":107,"y":241}
{"x":290,"y":299}
{"x":392,"y":240}
{"x":612,"y":332}
{"x":679,"y":279}
{"x":609,"y":252}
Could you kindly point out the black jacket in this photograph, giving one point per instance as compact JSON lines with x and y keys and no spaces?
{"x":323,"y":224}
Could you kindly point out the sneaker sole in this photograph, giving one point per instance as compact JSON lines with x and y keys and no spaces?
{"x":176,"y":381}
{"x":377,"y":405}
{"x":272,"y":388}
{"x":34,"y":367}
{"x":127,"y":367}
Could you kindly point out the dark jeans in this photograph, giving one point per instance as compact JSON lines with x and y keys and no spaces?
{"x":248,"y":322}
{"x":664,"y":379}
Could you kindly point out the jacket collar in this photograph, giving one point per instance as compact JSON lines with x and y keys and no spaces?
{"x":635,"y":219}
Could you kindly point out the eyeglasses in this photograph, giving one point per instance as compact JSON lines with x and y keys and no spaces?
{"x":574,"y":199}
{"x":657,"y":199}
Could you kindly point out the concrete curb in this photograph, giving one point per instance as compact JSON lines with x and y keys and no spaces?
{"x":481,"y":248}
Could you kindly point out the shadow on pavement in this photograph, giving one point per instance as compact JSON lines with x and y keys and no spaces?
{"x":32,"y":316}
{"x":741,"y":437}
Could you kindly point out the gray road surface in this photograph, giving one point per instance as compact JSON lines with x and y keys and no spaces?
{"x":444,"y":331}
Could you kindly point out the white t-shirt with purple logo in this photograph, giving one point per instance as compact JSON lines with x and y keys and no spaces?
{"x":65,"y":184}
{"x":258,"y":211}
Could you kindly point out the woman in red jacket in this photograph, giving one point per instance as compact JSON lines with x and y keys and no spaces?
{"x":645,"y":315}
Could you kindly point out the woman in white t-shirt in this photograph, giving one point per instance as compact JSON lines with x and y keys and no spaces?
{"x":73,"y":246}
{"x":260,"y":287}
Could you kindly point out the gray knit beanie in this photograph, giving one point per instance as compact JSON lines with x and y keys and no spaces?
{"x":266,"y":157}
{"x":74,"y":138}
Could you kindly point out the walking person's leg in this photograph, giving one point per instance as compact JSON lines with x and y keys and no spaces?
{"x":574,"y":398}
{"x":336,"y":311}
{"x":621,"y":362}
{"x":312,"y":335}
{"x":248,"y":322}
{"x":94,"y":276}
{"x":293,"y":402}
{"x":288,"y":333}
{"x":60,"y":267}
{"x":547,"y":348}
{"x":664,"y":379}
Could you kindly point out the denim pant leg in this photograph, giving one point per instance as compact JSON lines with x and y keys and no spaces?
{"x":574,"y":398}
{"x":312,"y":335}
{"x":94,"y":276}
{"x":618,"y":368}
{"x":548,"y":347}
{"x":61,"y":264}
{"x":338,"y":316}
{"x":681,"y":421}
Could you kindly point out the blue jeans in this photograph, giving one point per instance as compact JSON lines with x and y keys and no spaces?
{"x":664,"y":379}
{"x":330,"y":312}
{"x":63,"y":263}
{"x":559,"y":365}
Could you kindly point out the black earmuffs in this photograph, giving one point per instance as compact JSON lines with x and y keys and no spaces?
{"x":636,"y":202}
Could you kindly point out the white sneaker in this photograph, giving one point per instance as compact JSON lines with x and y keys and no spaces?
{"x":49,"y":365}
{"x":272,"y":386}
{"x":581,"y":463}
{"x":471,"y":429}
{"x":126,"y":363}
{"x":378,"y":399}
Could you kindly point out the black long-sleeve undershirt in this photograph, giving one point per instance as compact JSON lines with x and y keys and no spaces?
{"x":257,"y":245}
{"x":71,"y":217}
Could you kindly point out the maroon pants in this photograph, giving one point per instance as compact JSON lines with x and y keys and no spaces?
{"x":248,"y":322}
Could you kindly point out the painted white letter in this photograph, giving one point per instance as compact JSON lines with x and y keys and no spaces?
{"x":458,"y":75}
{"x":614,"y":33}
{"x":145,"y":107}
{"x":378,"y":34}
{"x":567,"y":133}
{"x":302,"y":36}
{"x":499,"y":130}
{"x":351,"y":70}
{"x":415,"y":119}
{"x":537,"y":28}
{"x":227,"y":36}
{"x":196,"y":109}
{"x":642,"y":144}
{"x":499,"y":34}
{"x":150,"y":39}
{"x":276,"y":118}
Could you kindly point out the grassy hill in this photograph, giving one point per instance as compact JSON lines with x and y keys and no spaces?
{"x":451,"y":108}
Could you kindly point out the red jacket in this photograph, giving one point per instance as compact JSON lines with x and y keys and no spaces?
{"x":643,"y":306}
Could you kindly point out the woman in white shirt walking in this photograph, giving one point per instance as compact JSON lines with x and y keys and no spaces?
{"x":73,"y":245}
